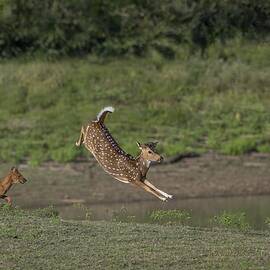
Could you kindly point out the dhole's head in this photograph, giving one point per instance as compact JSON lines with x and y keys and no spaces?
{"x":16,"y":176}
{"x":148,"y":151}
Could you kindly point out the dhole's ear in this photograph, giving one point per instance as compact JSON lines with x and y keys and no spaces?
{"x":13,"y":169}
{"x":139,"y":145}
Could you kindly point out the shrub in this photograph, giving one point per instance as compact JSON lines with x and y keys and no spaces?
{"x":239,"y":146}
{"x":264,"y":148}
{"x":170,"y":216}
{"x":231,"y":220}
{"x":76,"y":27}
{"x":267,"y":222}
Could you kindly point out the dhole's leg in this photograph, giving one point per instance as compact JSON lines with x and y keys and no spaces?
{"x":150,"y":190}
{"x":79,"y":142}
{"x":158,"y":190}
{"x":6,"y":198}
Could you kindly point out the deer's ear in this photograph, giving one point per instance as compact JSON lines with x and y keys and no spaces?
{"x":155,"y":143}
{"x":139,"y":145}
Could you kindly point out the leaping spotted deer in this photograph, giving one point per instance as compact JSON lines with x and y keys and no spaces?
{"x":115,"y":161}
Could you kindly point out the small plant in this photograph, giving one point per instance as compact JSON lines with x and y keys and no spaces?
{"x":10,"y":210}
{"x":122,"y":216}
{"x":85,"y":209}
{"x":239,"y":146}
{"x":267,"y":222}
{"x":170,"y":216}
{"x":264,"y":148}
{"x":48,"y":212}
{"x":7,"y":232}
{"x":5,"y":208}
{"x":231,"y":220}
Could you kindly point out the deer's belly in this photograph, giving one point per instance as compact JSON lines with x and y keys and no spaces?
{"x":117,"y":166}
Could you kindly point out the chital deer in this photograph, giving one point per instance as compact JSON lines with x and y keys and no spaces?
{"x":13,"y":177}
{"x":120,"y":165}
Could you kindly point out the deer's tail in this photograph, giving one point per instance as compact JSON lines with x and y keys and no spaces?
{"x":102,"y":114}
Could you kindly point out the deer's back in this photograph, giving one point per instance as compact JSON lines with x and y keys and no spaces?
{"x":108,"y":153}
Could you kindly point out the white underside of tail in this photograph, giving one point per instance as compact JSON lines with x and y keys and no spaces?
{"x":106,"y":109}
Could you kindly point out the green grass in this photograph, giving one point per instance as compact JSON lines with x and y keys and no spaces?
{"x":33,"y":241}
{"x":267,"y":221}
{"x":231,"y":220}
{"x":170,"y":217}
{"x":188,"y":104}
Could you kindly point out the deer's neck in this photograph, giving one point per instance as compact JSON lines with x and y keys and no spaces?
{"x":144,"y":165}
{"x":6,"y":183}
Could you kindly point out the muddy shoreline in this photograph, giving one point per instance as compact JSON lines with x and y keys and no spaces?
{"x":209,"y":175}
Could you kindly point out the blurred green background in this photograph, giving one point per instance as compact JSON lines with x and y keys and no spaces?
{"x":194,"y":75}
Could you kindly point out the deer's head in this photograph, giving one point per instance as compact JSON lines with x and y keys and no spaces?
{"x":16,"y":176}
{"x":148,"y":151}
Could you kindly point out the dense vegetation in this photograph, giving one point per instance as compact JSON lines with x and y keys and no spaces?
{"x":105,"y":27}
{"x":188,"y":104}
{"x":29,"y":240}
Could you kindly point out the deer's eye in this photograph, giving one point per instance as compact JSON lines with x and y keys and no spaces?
{"x":149,"y":152}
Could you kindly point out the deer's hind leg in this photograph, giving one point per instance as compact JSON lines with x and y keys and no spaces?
{"x":150,"y":190}
{"x":158,"y":190}
{"x":81,"y":139}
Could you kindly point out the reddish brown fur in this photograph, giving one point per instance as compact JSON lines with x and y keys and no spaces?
{"x":122,"y":166}
{"x":13,"y":177}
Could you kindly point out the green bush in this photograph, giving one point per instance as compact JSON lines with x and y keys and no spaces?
{"x":231,"y":220}
{"x":170,"y":216}
{"x":239,"y":146}
{"x":76,"y":27}
{"x":267,"y":222}
{"x":264,"y":148}
{"x":188,"y":105}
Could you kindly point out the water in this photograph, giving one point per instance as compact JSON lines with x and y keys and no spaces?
{"x":257,"y":209}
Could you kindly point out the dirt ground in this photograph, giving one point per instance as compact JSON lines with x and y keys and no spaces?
{"x":206,"y":176}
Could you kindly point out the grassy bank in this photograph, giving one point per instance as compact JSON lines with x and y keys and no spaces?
{"x":188,"y":104}
{"x":39,"y":240}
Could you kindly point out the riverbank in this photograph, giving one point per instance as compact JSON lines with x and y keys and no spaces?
{"x":30,"y":240}
{"x":210,"y":175}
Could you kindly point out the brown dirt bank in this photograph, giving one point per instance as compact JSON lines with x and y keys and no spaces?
{"x":206,"y":176}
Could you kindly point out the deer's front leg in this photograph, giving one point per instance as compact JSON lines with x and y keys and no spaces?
{"x":149,"y":189}
{"x":158,"y":190}
{"x":79,"y":142}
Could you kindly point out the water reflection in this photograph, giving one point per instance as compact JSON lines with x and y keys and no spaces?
{"x":257,"y":209}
